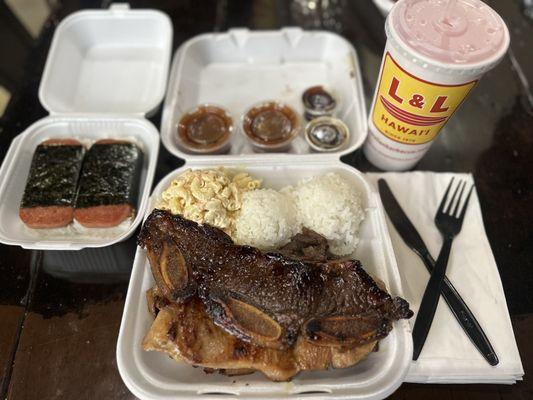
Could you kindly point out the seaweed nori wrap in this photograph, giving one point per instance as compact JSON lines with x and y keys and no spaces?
{"x":110,"y":175}
{"x":53,"y":176}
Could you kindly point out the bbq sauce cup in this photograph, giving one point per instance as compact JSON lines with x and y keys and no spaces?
{"x":318,"y":102}
{"x":326,"y":134}
{"x":271,"y":126}
{"x":206,"y":129}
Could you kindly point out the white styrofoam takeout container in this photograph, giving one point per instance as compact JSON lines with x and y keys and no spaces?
{"x":153,"y":375}
{"x":105,"y":70}
{"x":239,"y":68}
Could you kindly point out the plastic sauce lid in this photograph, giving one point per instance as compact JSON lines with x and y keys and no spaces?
{"x":456,"y":32}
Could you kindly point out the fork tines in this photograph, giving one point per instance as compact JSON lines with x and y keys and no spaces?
{"x":451,"y":207}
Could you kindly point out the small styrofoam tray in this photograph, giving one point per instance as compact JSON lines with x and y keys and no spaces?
{"x":239,"y":68}
{"x":104,"y":71}
{"x":152,"y":375}
{"x":16,"y":167}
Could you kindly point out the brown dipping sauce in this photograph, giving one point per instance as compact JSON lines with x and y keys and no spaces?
{"x":326,"y":134}
{"x":271,"y":124}
{"x":207,"y":128}
{"x":318,"y":102}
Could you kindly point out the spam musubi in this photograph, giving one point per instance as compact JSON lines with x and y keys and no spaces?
{"x":50,"y":192}
{"x":109,"y":184}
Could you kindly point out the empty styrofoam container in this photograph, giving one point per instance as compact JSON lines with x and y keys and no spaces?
{"x":153,"y":375}
{"x":105,"y":70}
{"x":239,"y":68}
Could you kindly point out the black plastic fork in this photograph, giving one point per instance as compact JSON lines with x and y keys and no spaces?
{"x":449,"y":220}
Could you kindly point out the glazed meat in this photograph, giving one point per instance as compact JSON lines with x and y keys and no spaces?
{"x":266,"y":298}
{"x":307,"y":246}
{"x":185,"y":332}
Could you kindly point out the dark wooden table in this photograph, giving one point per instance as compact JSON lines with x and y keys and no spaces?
{"x":59,"y":324}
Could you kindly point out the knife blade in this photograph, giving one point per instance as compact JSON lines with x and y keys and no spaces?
{"x":457,"y":305}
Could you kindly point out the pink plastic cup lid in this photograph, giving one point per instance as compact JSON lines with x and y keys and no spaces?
{"x":451,"y":31}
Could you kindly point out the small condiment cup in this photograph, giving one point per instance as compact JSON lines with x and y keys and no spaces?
{"x":271,"y":126}
{"x":326,"y":134}
{"x":318,"y":102}
{"x":205,"y":129}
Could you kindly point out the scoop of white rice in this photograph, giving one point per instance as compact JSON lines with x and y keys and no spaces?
{"x":268,"y":219}
{"x":331,"y":206}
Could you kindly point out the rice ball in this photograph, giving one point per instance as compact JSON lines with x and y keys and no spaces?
{"x":332,"y":206}
{"x":268,"y":219}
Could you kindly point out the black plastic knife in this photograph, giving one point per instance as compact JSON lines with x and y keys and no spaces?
{"x":412,"y":239}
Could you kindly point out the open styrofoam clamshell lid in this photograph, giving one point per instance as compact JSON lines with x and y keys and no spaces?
{"x":106,"y":69}
{"x":108,"y":62}
{"x":239,"y":68}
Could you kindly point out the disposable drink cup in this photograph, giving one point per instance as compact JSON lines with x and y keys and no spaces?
{"x":436,"y":52}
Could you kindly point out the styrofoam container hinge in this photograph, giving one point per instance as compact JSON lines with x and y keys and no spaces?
{"x":266,"y":159}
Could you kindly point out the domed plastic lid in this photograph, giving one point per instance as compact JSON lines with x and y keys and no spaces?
{"x":451,"y":31}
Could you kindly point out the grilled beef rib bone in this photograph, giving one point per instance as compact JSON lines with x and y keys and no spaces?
{"x":186,"y":333}
{"x":266,"y":299}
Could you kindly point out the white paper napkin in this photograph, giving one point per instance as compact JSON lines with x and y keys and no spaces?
{"x":448,"y":355}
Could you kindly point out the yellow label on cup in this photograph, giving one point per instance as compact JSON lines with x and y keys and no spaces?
{"x":410,"y":110}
